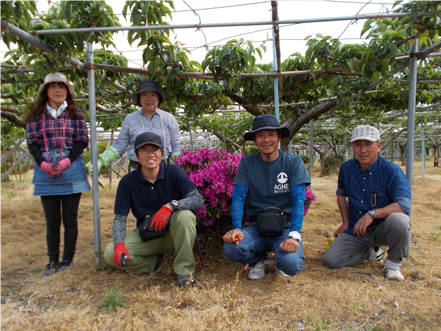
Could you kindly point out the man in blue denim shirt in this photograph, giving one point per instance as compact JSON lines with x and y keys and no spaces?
{"x":374,"y":199}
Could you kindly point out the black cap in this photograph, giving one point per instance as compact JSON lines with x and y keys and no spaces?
{"x":265,"y":122}
{"x":148,"y":138}
{"x":148,"y":85}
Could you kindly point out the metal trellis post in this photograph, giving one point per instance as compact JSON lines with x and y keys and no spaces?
{"x":411,"y":115}
{"x":94,"y":153}
{"x":276,"y":82}
{"x":311,"y":148}
{"x":423,"y":151}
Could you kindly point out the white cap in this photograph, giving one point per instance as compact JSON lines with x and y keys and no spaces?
{"x":365,"y":132}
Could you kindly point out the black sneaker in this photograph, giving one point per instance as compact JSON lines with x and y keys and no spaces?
{"x":51,"y":268}
{"x":185,"y":281}
{"x":64,"y":265}
{"x":380,"y":252}
{"x":158,"y":262}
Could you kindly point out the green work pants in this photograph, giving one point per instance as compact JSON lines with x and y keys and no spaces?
{"x":179,"y":241}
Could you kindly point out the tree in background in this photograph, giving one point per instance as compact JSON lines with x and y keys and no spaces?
{"x":341,"y":89}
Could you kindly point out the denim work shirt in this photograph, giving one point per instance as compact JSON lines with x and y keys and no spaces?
{"x":380,"y":185}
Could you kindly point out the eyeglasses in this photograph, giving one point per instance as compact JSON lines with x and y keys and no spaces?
{"x":149,"y":151}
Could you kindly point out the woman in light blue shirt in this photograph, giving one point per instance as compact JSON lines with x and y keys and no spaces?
{"x":148,"y":119}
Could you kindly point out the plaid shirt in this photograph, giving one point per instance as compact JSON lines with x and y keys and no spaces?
{"x":76,"y":129}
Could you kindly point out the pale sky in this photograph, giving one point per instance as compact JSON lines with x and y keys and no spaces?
{"x":226,"y":11}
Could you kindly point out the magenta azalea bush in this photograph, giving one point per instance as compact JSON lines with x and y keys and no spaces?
{"x":213,"y":172}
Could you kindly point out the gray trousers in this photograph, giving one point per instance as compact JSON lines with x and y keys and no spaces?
{"x":349,"y":250}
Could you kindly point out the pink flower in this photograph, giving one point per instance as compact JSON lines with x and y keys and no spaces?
{"x":208,"y":222}
{"x":197,"y":178}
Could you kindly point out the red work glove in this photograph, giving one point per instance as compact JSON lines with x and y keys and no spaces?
{"x":161,"y":216}
{"x":50,"y":169}
{"x":120,"y":249}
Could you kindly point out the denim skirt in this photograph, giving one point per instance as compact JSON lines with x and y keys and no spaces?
{"x":72,"y":180}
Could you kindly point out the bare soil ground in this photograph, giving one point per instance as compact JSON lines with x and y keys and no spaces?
{"x":319,"y":298}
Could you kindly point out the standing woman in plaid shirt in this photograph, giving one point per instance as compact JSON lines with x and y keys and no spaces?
{"x":56,"y":137}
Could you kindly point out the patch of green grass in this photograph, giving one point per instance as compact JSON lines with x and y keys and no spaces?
{"x":353,"y":307}
{"x":313,"y":321}
{"x":102,"y":265}
{"x":114,"y":300}
{"x":373,"y":327}
{"x":437,"y":233}
{"x":83,"y":213}
{"x":11,"y":195}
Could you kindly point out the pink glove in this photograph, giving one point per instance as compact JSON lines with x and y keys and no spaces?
{"x":61,"y":166}
{"x":161,"y":216}
{"x":50,"y":169}
{"x":64,"y":163}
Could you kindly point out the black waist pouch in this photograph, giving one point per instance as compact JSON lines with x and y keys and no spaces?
{"x":271,"y":222}
{"x":147,"y":232}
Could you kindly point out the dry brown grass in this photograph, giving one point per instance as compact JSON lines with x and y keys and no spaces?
{"x":319,"y":298}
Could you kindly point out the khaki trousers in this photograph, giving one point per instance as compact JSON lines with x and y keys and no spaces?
{"x":178,"y":241}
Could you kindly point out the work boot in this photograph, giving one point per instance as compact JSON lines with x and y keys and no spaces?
{"x":158,"y":263}
{"x":64,"y":265}
{"x":50,"y":269}
{"x":185,"y":281}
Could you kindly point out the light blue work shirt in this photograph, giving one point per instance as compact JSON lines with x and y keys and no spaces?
{"x":162,"y":123}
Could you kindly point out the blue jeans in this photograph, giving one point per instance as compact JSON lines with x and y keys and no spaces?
{"x":255,"y":247}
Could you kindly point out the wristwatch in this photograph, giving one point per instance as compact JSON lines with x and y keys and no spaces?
{"x":372,"y":213}
{"x":295,"y":235}
{"x":174,"y":204}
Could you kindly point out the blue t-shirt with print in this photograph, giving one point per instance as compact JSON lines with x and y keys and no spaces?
{"x":269,"y":183}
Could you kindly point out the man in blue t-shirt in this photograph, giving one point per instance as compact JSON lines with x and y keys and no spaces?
{"x":165,"y":193}
{"x":273,"y":184}
{"x":374,"y":199}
